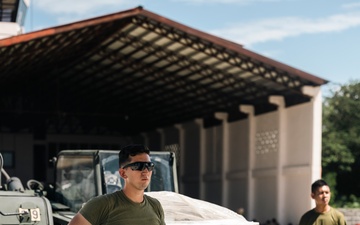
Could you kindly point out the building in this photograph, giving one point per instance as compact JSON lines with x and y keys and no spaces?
{"x":12,"y":17}
{"x":246,"y":128}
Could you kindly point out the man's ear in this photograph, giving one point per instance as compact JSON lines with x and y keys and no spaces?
{"x":312,"y":195}
{"x":122,"y":173}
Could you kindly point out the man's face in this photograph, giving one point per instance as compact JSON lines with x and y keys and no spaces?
{"x":322,"y":195}
{"x":135,"y":178}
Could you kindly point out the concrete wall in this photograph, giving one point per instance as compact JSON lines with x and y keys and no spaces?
{"x":22,"y":147}
{"x":352,"y":216}
{"x":9,"y":29}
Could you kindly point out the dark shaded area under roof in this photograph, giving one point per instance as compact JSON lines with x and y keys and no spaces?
{"x":131,"y":72}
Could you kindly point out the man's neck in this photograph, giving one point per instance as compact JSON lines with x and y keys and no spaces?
{"x":134,"y":195}
{"x":322,"y":209}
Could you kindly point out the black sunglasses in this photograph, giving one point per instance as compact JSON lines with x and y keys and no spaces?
{"x":140,"y":166}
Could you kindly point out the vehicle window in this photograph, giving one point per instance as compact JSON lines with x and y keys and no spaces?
{"x":162,"y":177}
{"x":110,"y":164}
{"x":75,"y":180}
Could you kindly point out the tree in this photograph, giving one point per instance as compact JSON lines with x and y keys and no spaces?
{"x":341,"y":142}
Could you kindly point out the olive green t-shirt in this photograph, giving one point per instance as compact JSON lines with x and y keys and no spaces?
{"x":117,"y":209}
{"x":332,"y":217}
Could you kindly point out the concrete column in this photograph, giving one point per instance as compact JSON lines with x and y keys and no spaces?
{"x":315,"y":93}
{"x":249,"y":110}
{"x":279,"y":101}
{"x":146,"y":138}
{"x":162,"y":137}
{"x":200,"y":122}
{"x":180,"y":127}
{"x":225,"y":156}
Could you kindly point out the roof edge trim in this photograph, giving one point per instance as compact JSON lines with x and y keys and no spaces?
{"x":70,"y":26}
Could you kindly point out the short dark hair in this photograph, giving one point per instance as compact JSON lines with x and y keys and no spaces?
{"x":131,"y":150}
{"x":317,"y":184}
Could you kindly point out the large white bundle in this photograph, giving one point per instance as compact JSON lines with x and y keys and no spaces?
{"x":180,"y":209}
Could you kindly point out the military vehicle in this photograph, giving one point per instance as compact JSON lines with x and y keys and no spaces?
{"x":22,"y":206}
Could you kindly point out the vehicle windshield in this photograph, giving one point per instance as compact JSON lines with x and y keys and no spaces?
{"x":74,"y":180}
{"x":77,"y":180}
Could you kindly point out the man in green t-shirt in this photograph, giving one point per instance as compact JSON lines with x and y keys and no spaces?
{"x":130,"y":205}
{"x":323,"y":213}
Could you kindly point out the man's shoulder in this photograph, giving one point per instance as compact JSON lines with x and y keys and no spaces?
{"x":336,"y":211}
{"x":106,"y":198}
{"x":152,"y":199}
{"x":306,"y":217}
{"x":310,"y":212}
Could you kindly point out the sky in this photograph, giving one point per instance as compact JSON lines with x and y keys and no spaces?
{"x":321,"y":37}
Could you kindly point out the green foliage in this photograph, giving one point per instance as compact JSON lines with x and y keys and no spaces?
{"x":347,"y":202}
{"x":341,"y":143}
{"x":330,"y":178}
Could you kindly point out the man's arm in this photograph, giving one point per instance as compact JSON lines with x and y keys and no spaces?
{"x":342,"y":220}
{"x":79,"y":220}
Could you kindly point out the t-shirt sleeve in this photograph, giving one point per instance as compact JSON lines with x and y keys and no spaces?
{"x":306,"y":218}
{"x":158,"y":209}
{"x":162,"y":217}
{"x":95,"y":210}
{"x":341,"y":218}
{"x":301,"y":222}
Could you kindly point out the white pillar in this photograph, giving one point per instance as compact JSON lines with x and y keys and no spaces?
{"x":225,"y":156}
{"x":249,"y":110}
{"x":279,"y":101}
{"x":315,"y":93}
